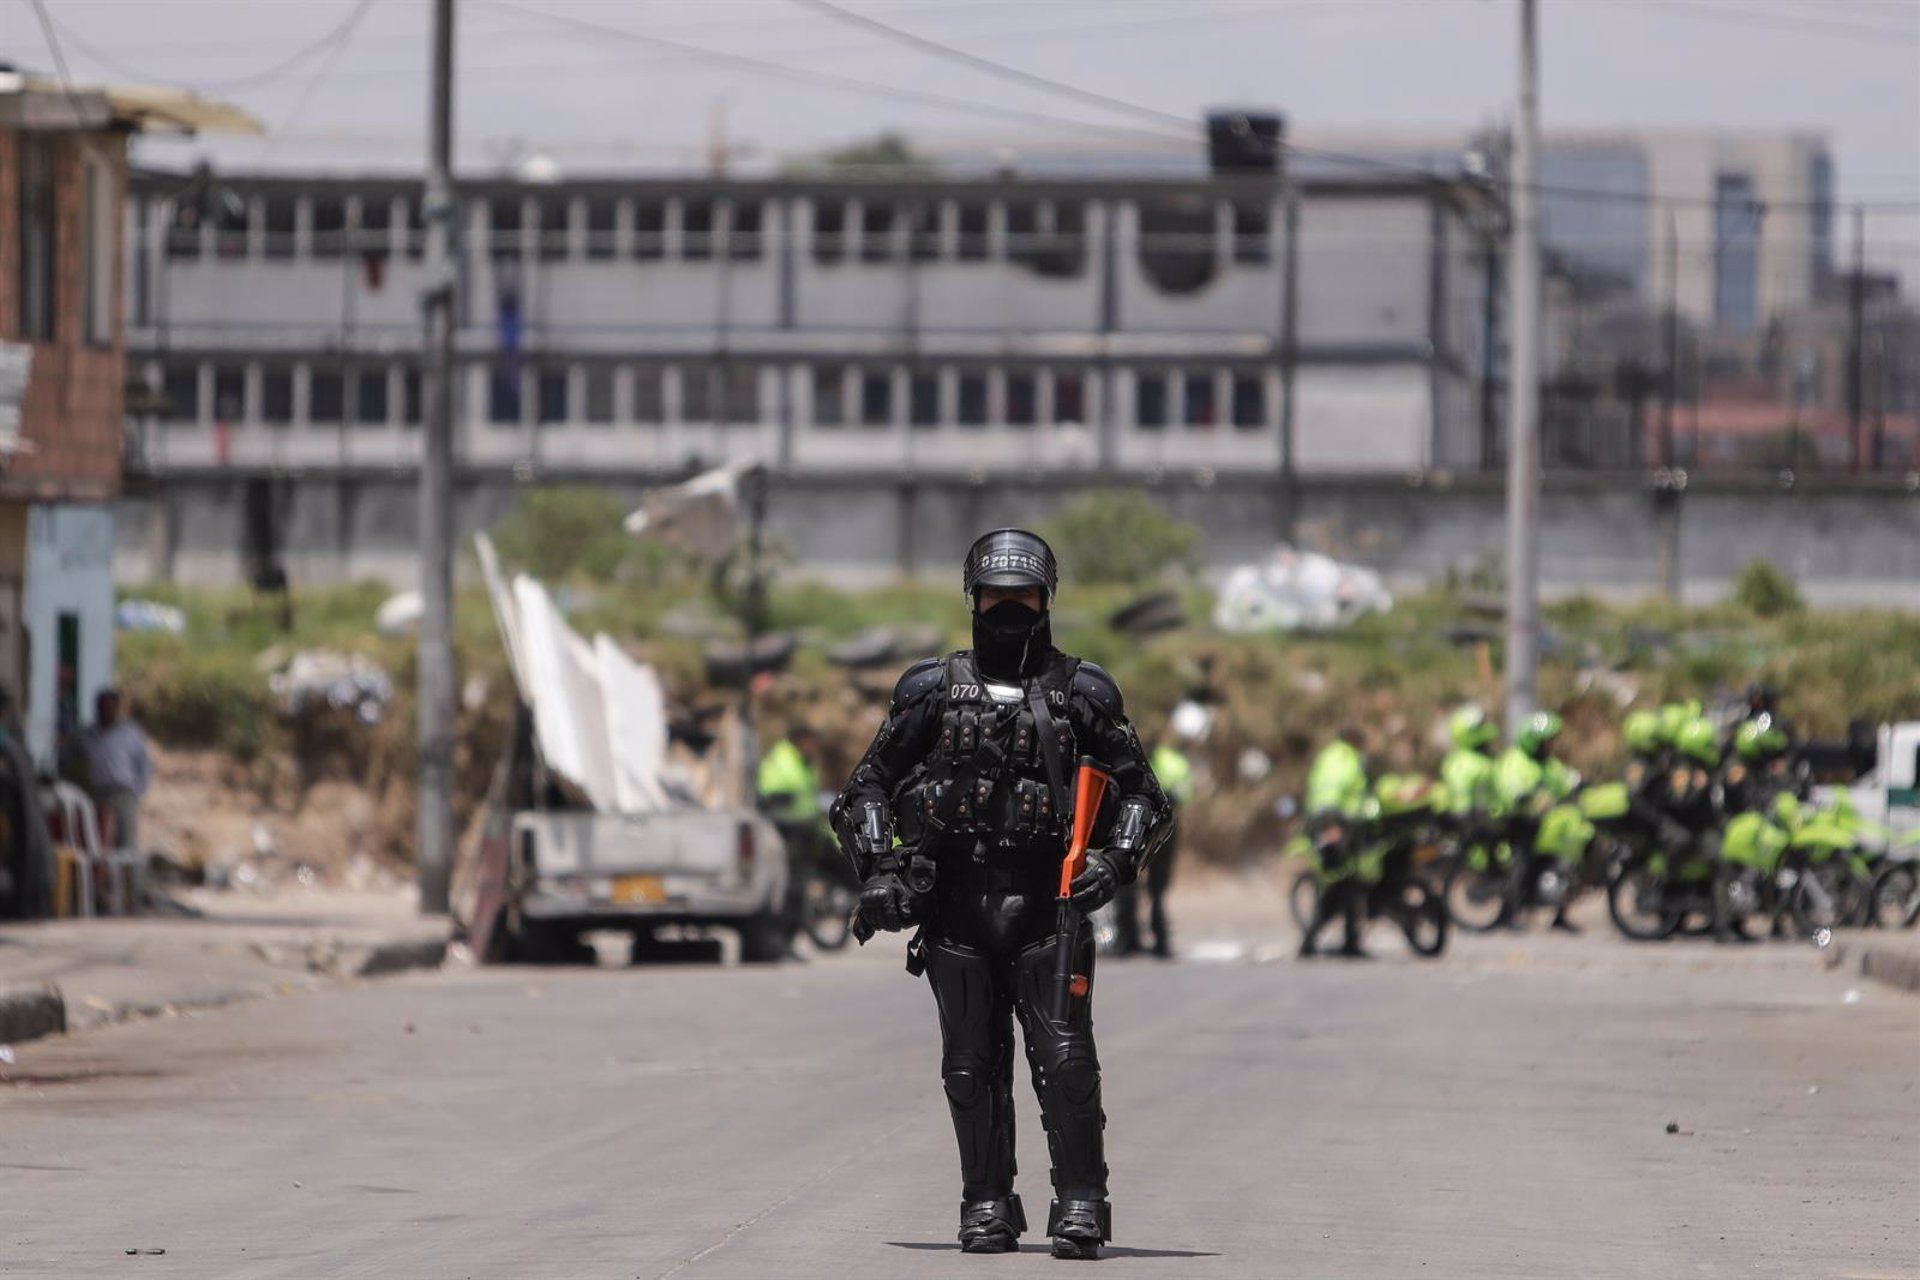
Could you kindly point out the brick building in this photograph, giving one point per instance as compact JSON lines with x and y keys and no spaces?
{"x":63,"y":178}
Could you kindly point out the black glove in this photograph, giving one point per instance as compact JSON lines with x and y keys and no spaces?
{"x":885,"y":902}
{"x":1100,"y":879}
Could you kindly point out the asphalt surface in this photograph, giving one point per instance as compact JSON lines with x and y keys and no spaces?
{"x":1502,"y":1113}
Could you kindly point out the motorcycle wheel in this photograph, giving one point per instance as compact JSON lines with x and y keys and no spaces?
{"x":826,"y":906}
{"x":1829,"y":896}
{"x":1303,"y":899}
{"x":1896,"y":896}
{"x":1642,"y":904}
{"x":1736,"y":900}
{"x":1422,"y":916}
{"x":1478,"y":899}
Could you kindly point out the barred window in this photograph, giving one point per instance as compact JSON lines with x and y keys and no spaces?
{"x":1150,"y":400}
{"x":276,"y":396}
{"x":973,"y":399}
{"x":649,"y":395}
{"x":744,"y":239}
{"x":924,"y":399}
{"x":370,"y":397}
{"x":329,"y":226}
{"x":326,"y":397}
{"x":876,"y":398}
{"x":1249,"y":401}
{"x":829,"y":231}
{"x":181,"y":388}
{"x":829,"y":396}
{"x":602,"y":217}
{"x":553,"y":395}
{"x":1022,"y":400}
{"x":599,"y":394}
{"x":973,"y":244}
{"x":650,"y":230}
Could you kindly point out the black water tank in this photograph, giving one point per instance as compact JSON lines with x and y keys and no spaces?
{"x":1244,"y":141}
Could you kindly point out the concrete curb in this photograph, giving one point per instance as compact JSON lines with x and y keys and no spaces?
{"x":27,"y":1013}
{"x":402,"y":954}
{"x":1896,"y":965}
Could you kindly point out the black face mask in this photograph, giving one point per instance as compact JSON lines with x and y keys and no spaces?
{"x":1010,"y":639}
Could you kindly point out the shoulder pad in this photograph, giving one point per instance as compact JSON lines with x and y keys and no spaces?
{"x":1096,"y":686}
{"x":921,"y":679}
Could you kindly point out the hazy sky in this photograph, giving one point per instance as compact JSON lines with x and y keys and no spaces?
{"x":559,"y":77}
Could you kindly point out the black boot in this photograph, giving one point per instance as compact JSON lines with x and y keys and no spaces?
{"x":1565,"y":925}
{"x":991,"y":1226}
{"x":1079,"y":1227}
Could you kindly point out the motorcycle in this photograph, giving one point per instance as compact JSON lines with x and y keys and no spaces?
{"x":1392,"y":848}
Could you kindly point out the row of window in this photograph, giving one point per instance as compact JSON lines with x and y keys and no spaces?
{"x":38,"y":246}
{"x":1046,"y":236}
{"x":841,"y":396}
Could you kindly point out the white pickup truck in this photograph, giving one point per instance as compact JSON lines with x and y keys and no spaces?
{"x":1888,"y":795}
{"x":591,"y":827}
{"x":574,"y":871}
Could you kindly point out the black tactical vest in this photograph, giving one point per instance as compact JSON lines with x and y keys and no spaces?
{"x":987,"y":774}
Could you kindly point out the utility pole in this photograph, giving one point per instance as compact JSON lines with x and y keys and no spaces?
{"x":1856,"y":336}
{"x":435,"y":677}
{"x":1289,"y":364}
{"x":1523,"y":392}
{"x":1670,"y":340}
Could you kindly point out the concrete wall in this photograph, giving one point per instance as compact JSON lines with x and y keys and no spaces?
{"x":70,"y":562}
{"x":1851,"y":545}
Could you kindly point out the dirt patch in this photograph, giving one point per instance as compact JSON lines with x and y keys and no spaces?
{"x":214,"y":815}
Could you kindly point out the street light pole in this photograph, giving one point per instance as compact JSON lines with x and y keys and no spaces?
{"x":1523,"y":392}
{"x":435,"y":675}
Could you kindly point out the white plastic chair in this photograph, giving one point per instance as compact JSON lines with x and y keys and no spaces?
{"x":79,"y":838}
{"x":123,"y":866}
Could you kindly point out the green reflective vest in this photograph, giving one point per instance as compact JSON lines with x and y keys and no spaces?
{"x":1175,"y":772}
{"x":1337,"y":782}
{"x":786,"y":777}
{"x":1468,"y":779}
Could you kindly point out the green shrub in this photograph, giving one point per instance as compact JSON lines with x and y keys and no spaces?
{"x":1765,"y":591}
{"x":566,"y":533}
{"x":190,"y":694}
{"x":1118,"y":535}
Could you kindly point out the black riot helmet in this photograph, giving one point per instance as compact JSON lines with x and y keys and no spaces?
{"x":1012,"y":558}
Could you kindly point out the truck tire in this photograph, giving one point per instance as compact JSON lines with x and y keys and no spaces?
{"x":536,"y":942}
{"x":765,"y":939}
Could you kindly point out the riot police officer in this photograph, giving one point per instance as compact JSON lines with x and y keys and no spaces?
{"x":972,"y":772}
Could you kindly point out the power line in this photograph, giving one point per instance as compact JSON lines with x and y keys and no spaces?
{"x":53,"y":43}
{"x":988,"y":65}
{"x":326,"y":41}
{"x":823,"y":79}
{"x":1031,"y":80}
{"x":342,"y":35}
{"x":1705,"y":10}
{"x":617,"y":63}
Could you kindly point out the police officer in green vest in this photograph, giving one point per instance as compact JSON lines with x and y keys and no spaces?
{"x":1175,"y":771}
{"x":1338,"y":798}
{"x":789,"y":789}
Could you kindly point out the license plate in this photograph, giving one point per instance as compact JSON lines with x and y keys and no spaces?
{"x":639,"y":890}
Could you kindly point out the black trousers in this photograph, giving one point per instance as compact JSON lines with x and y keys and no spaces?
{"x":981,"y":993}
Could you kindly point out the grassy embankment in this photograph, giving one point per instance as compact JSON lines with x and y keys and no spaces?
{"x":1281,"y":696}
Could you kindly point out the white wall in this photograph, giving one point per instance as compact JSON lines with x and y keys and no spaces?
{"x":69,"y":570}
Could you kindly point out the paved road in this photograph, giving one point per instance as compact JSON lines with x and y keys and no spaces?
{"x":1501,"y":1114}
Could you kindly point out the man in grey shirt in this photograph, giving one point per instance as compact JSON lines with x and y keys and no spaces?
{"x":119,"y":769}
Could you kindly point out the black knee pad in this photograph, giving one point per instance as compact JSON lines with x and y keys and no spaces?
{"x":965,"y":1082}
{"x":1078,"y":1080}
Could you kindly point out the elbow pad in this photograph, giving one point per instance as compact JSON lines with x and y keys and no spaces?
{"x":872,"y":841}
{"x":1131,"y":831}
